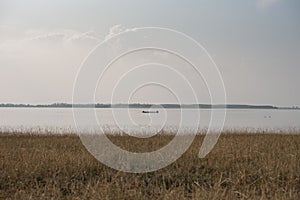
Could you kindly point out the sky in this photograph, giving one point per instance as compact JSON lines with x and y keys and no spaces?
{"x":255,"y":45}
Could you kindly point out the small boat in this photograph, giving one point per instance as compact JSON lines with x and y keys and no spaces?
{"x":150,"y":111}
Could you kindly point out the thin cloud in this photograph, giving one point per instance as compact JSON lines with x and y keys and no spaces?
{"x":117,"y":29}
{"x":68,"y":36}
{"x":89,"y":35}
{"x":61,"y":37}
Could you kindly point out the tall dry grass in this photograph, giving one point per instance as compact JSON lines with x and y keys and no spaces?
{"x":241,"y":166}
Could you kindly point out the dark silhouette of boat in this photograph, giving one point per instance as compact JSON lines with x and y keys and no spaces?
{"x":150,"y":111}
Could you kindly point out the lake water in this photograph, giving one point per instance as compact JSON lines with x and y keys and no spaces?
{"x":61,"y":119}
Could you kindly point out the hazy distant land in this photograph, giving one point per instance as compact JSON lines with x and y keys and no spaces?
{"x":138,"y":105}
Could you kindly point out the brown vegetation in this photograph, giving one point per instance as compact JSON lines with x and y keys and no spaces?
{"x":241,"y":166}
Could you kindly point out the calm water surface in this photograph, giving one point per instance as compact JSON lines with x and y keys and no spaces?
{"x":133,"y":119}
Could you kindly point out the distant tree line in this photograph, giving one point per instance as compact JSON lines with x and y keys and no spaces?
{"x":138,"y":105}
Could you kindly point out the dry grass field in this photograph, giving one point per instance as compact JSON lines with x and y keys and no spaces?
{"x":241,"y":166}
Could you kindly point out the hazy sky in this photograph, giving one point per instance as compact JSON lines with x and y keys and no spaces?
{"x":255,"y":44}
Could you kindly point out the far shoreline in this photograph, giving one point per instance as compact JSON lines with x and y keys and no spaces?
{"x":150,"y":106}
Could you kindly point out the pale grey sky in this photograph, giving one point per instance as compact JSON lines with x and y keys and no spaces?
{"x":255,"y":44}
